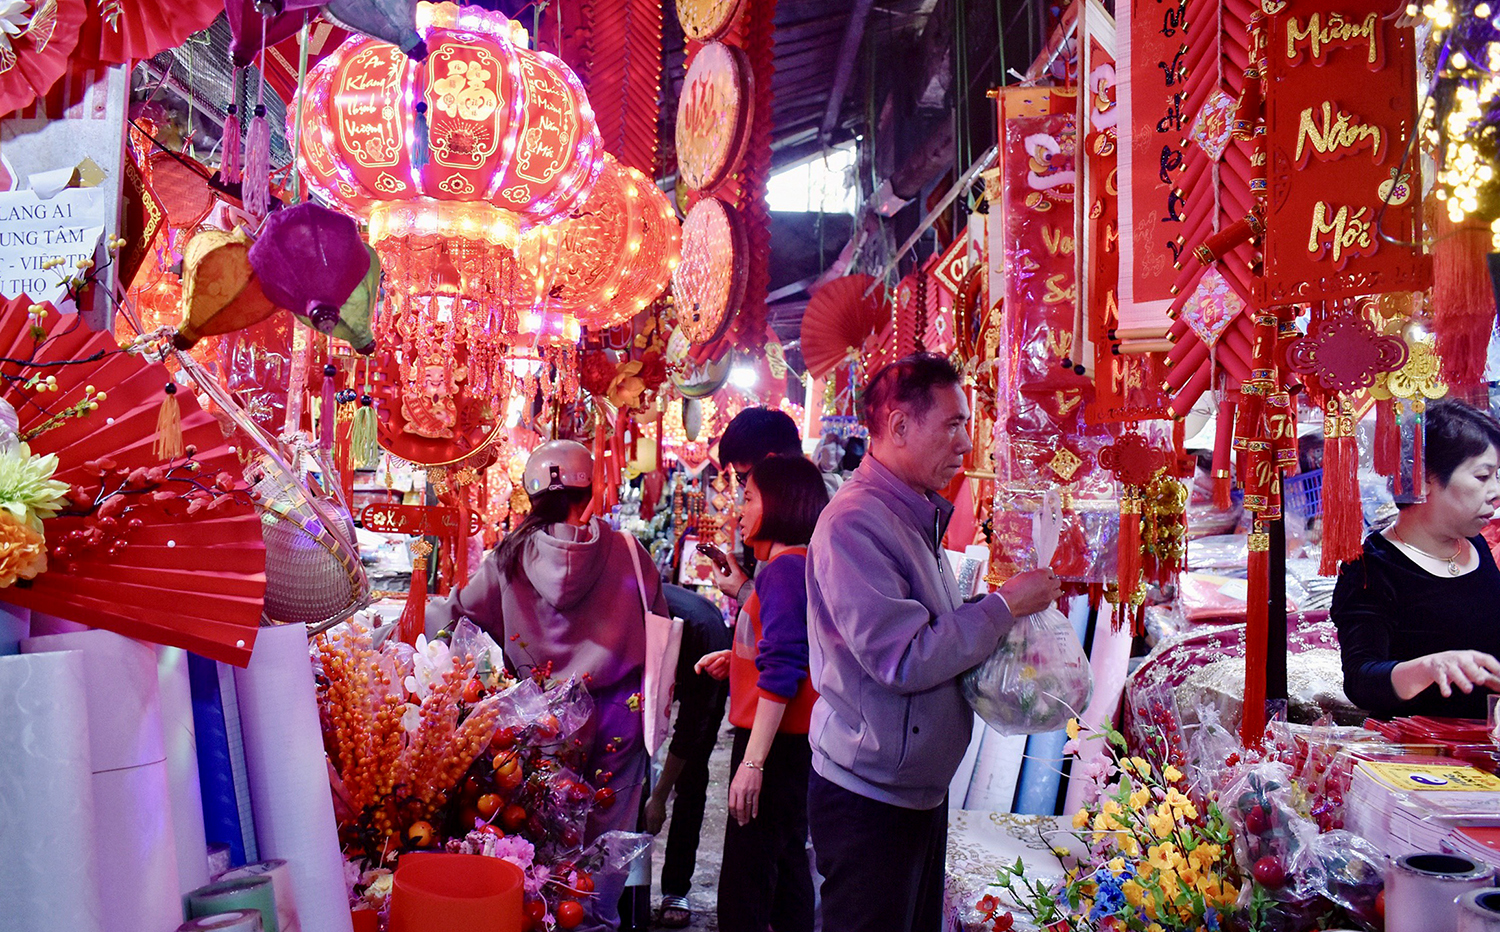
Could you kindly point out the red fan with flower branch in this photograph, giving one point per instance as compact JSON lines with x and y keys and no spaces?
{"x":34,"y":57}
{"x":838,"y":320}
{"x":167,"y":550}
{"x":123,"y":33}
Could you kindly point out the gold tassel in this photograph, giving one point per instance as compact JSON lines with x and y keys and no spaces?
{"x":364,"y":449}
{"x":168,"y":444}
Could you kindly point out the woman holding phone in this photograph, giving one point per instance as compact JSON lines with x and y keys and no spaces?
{"x":766,"y":881}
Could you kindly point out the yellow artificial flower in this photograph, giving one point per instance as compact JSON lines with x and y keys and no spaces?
{"x":1130,"y":847}
{"x":1140,"y":798}
{"x":1135,"y":894}
{"x":1155,"y":927}
{"x":1112,"y":808}
{"x":1169,"y":885}
{"x":1080,"y":818}
{"x":1171,"y":774}
{"x":1182,"y":805}
{"x":1073,"y":728}
{"x":1116,"y":866}
{"x":1204,"y":856}
{"x":1138,"y":764}
{"x":1161,"y":821}
{"x":1160,"y":856}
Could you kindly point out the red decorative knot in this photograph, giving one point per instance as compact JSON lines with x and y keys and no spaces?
{"x":1345,"y":354}
{"x":1132,"y":460}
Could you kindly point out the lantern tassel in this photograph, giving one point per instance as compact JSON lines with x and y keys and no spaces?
{"x":1387,"y":452}
{"x":1130,"y":553}
{"x":329,"y":407}
{"x":1463,"y":299}
{"x":414,"y":614}
{"x":363,"y":443}
{"x":420,"y":145}
{"x":256,"y":185}
{"x":1257,"y":623}
{"x":168,"y":445}
{"x":231,"y":164}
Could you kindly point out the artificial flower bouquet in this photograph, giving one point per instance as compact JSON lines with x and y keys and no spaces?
{"x":433,"y":747}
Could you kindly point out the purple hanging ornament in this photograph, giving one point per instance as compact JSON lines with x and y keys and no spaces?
{"x":311,"y":260}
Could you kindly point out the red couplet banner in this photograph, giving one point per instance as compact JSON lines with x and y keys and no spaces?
{"x":1153,"y":52}
{"x":1343,"y":190}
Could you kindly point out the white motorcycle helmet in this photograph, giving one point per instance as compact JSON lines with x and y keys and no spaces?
{"x":558,"y":464}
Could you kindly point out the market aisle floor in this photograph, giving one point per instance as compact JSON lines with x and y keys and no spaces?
{"x":704,"y":896}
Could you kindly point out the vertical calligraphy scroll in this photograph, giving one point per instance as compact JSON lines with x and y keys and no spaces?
{"x":1154,"y":117}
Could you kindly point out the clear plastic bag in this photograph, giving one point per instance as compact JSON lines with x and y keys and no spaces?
{"x":1037,"y":678}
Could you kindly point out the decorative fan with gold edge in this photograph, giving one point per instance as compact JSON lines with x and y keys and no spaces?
{"x":838,"y":320}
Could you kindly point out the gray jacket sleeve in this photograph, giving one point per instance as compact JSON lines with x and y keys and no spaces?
{"x":478,"y":601}
{"x":896,"y":639}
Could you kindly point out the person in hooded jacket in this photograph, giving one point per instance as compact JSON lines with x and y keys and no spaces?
{"x":560,"y":595}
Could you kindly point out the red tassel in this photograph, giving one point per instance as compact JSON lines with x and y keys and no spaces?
{"x":1342,"y":519}
{"x":1257,"y":622}
{"x":1387,"y":452}
{"x":1463,"y":299}
{"x":414,"y":614}
{"x":231,"y":163}
{"x":1418,"y":457}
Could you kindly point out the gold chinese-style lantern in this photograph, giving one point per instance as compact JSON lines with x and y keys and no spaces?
{"x":608,"y":261}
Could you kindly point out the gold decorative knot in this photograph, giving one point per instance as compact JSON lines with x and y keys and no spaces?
{"x":1065,"y":464}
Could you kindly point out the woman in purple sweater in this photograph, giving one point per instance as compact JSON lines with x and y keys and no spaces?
{"x":560,"y":596}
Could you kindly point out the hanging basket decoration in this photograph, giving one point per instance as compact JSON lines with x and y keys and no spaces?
{"x":709,"y":283}
{"x":714,"y":115}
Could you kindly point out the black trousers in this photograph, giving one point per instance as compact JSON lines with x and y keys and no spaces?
{"x":690,"y":795}
{"x":882,"y":865}
{"x":766,"y":881}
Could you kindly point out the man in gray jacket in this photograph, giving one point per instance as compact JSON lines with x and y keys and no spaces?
{"x":890,"y":634}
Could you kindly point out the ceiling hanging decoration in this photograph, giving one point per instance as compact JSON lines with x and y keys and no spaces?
{"x":452,"y":160}
{"x":707,"y":19}
{"x":714,"y":115}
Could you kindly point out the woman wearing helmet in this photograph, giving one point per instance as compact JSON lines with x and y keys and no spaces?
{"x":560,"y":594}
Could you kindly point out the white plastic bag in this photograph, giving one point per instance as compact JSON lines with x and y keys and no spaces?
{"x":1038,"y":677}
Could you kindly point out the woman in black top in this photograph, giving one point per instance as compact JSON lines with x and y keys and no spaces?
{"x":1418,"y":613}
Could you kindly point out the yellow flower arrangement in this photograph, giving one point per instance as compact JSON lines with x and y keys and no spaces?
{"x":1156,"y":859}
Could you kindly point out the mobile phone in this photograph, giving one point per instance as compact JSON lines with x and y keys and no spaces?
{"x":716,"y":555}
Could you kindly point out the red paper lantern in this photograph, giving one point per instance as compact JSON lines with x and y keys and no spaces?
{"x":483,"y":121}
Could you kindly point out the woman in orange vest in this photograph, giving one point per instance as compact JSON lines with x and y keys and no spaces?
{"x":766,"y":880}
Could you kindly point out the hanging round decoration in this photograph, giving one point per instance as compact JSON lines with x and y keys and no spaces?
{"x":708,"y":285}
{"x":35,"y":52}
{"x":424,"y":419}
{"x":707,"y":19}
{"x":713,"y":115}
{"x":691,"y":379}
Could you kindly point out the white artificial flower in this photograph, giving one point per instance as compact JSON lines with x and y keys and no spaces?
{"x":15,"y":16}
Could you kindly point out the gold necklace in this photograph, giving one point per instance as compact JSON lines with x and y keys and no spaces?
{"x":1451,"y":561}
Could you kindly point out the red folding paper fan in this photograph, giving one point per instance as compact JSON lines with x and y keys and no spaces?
{"x":838,"y":320}
{"x":123,"y":32}
{"x":38,"y":56}
{"x":165,"y":551}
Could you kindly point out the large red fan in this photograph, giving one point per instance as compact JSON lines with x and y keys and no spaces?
{"x":122,"y":32}
{"x":162,"y":550}
{"x":838,"y":320}
{"x":33,"y":60}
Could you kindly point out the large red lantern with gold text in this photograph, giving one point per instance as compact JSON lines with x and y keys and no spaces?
{"x":482,"y":121}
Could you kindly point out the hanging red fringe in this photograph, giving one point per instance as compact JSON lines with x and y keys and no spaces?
{"x":414,"y":614}
{"x":1387,"y":452}
{"x":1342,"y":520}
{"x":1463,"y":299}
{"x":1223,"y":442}
{"x":461,"y":539}
{"x":1257,"y":623}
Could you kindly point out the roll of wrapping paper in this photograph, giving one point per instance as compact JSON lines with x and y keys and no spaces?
{"x":179,"y":737}
{"x":255,"y":894}
{"x":46,"y":796}
{"x":288,"y":775}
{"x":221,"y":816}
{"x":135,"y":849}
{"x":281,"y":884}
{"x":236,"y":920}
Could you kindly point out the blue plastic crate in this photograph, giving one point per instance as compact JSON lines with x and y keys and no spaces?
{"x":1304,"y":494}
